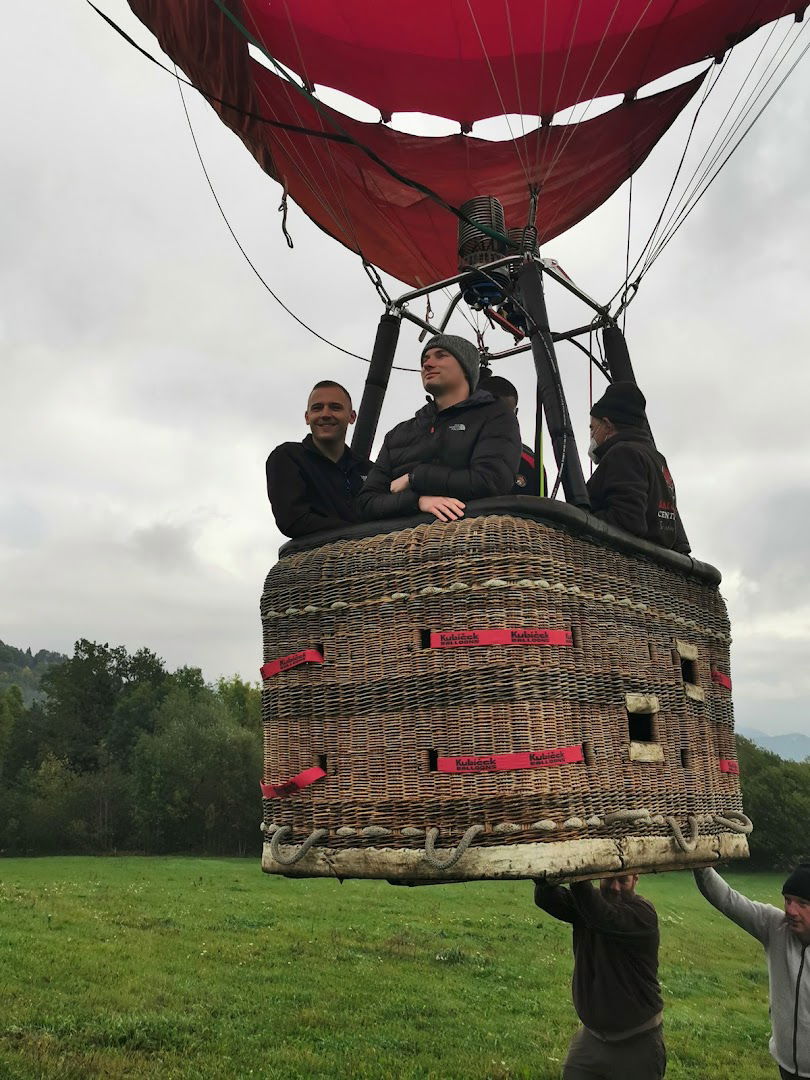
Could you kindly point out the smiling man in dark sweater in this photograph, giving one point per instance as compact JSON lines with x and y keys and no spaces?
{"x":312,"y":485}
{"x":615,"y":983}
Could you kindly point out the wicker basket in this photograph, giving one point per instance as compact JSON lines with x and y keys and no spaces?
{"x":616,"y":708}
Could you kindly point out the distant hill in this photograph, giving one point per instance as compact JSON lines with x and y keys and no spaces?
{"x":23,"y":668}
{"x":793,"y":747}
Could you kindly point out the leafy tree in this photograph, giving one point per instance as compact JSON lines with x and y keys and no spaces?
{"x":81,"y":695}
{"x":243,"y":701}
{"x":196,"y":777}
{"x":11,"y":712}
{"x":776,"y":796}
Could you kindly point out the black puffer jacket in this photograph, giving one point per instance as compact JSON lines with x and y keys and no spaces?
{"x":467,"y":451}
{"x":309,"y":492}
{"x":632,"y":488}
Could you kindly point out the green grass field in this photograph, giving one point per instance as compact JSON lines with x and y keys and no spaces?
{"x":180,"y":967}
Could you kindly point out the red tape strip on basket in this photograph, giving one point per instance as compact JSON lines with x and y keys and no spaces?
{"x":721,"y":679}
{"x":534,"y":759}
{"x":729,"y":766}
{"x":284,"y":663}
{"x":459,"y":639}
{"x":302,"y":780}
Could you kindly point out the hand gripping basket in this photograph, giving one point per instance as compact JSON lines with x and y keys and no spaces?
{"x":519,"y":694}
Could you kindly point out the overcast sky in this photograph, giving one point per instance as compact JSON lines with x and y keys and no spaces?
{"x":147,"y":373}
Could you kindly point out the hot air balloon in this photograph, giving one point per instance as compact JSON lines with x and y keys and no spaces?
{"x":527,"y":691}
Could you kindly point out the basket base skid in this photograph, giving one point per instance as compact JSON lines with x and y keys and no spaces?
{"x":569,"y":860}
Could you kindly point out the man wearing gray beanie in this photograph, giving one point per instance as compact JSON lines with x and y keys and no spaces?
{"x":464,"y":444}
{"x":785,"y":936}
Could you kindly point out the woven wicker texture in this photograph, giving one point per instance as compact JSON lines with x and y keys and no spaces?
{"x":382,"y":707}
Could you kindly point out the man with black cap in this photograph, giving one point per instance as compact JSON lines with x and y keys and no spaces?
{"x":464,"y":444}
{"x":631,"y":486}
{"x":527,"y":480}
{"x":785,"y":936}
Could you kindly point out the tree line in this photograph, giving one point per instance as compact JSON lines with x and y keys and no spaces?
{"x":119,"y":754}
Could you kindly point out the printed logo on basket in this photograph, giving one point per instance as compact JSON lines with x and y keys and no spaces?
{"x":461,"y":637}
{"x":547,"y":757}
{"x":536,"y":637}
{"x":293,"y":660}
{"x":476,"y":764}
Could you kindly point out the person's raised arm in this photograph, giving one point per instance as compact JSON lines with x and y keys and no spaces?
{"x":755,"y":918}
{"x":289,"y":498}
{"x":555,"y":900}
{"x":494,"y":463}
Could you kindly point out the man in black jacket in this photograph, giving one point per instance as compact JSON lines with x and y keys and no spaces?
{"x":615,"y":983}
{"x":527,"y":480}
{"x":312,"y":485}
{"x":462,"y":445}
{"x":632,"y":486}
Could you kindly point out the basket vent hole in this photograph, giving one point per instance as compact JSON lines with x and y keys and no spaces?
{"x":587,"y":752}
{"x":424,"y":639}
{"x":322,"y":762}
{"x":689,"y":671}
{"x":433,"y":760}
{"x":686,"y":758}
{"x":641,"y":726}
{"x":321,"y":650}
{"x":576,"y":637}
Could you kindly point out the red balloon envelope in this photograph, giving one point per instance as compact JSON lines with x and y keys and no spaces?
{"x":462,"y":59}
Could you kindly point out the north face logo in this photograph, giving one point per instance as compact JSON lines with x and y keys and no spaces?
{"x":457,"y":427}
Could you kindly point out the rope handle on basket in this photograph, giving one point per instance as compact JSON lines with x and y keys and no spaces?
{"x":454,"y":853}
{"x":625,"y":815}
{"x":684,"y":844}
{"x":284,"y":833}
{"x":735,"y":822}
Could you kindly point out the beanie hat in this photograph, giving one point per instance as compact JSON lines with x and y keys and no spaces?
{"x":464,"y":351}
{"x":798,"y":882}
{"x":623,"y":403}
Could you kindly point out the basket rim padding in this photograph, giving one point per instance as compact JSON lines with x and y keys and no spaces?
{"x":548,"y":511}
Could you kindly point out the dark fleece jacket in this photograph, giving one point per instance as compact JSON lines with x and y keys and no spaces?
{"x":468,"y":451}
{"x":632,"y":488}
{"x":309,"y":492}
{"x":615,"y":982}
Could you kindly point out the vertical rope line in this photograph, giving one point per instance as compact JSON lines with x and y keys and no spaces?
{"x":571,"y":128}
{"x":756,"y":92}
{"x":523,"y":164}
{"x":515,"y":70}
{"x":590,"y":390}
{"x":627,"y":250}
{"x":541,"y":166}
{"x":543,"y":38}
{"x":687,"y":211}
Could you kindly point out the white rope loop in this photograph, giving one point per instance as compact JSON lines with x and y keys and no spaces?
{"x":735,"y":822}
{"x":285,"y":833}
{"x":454,"y":853}
{"x":685,"y":845}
